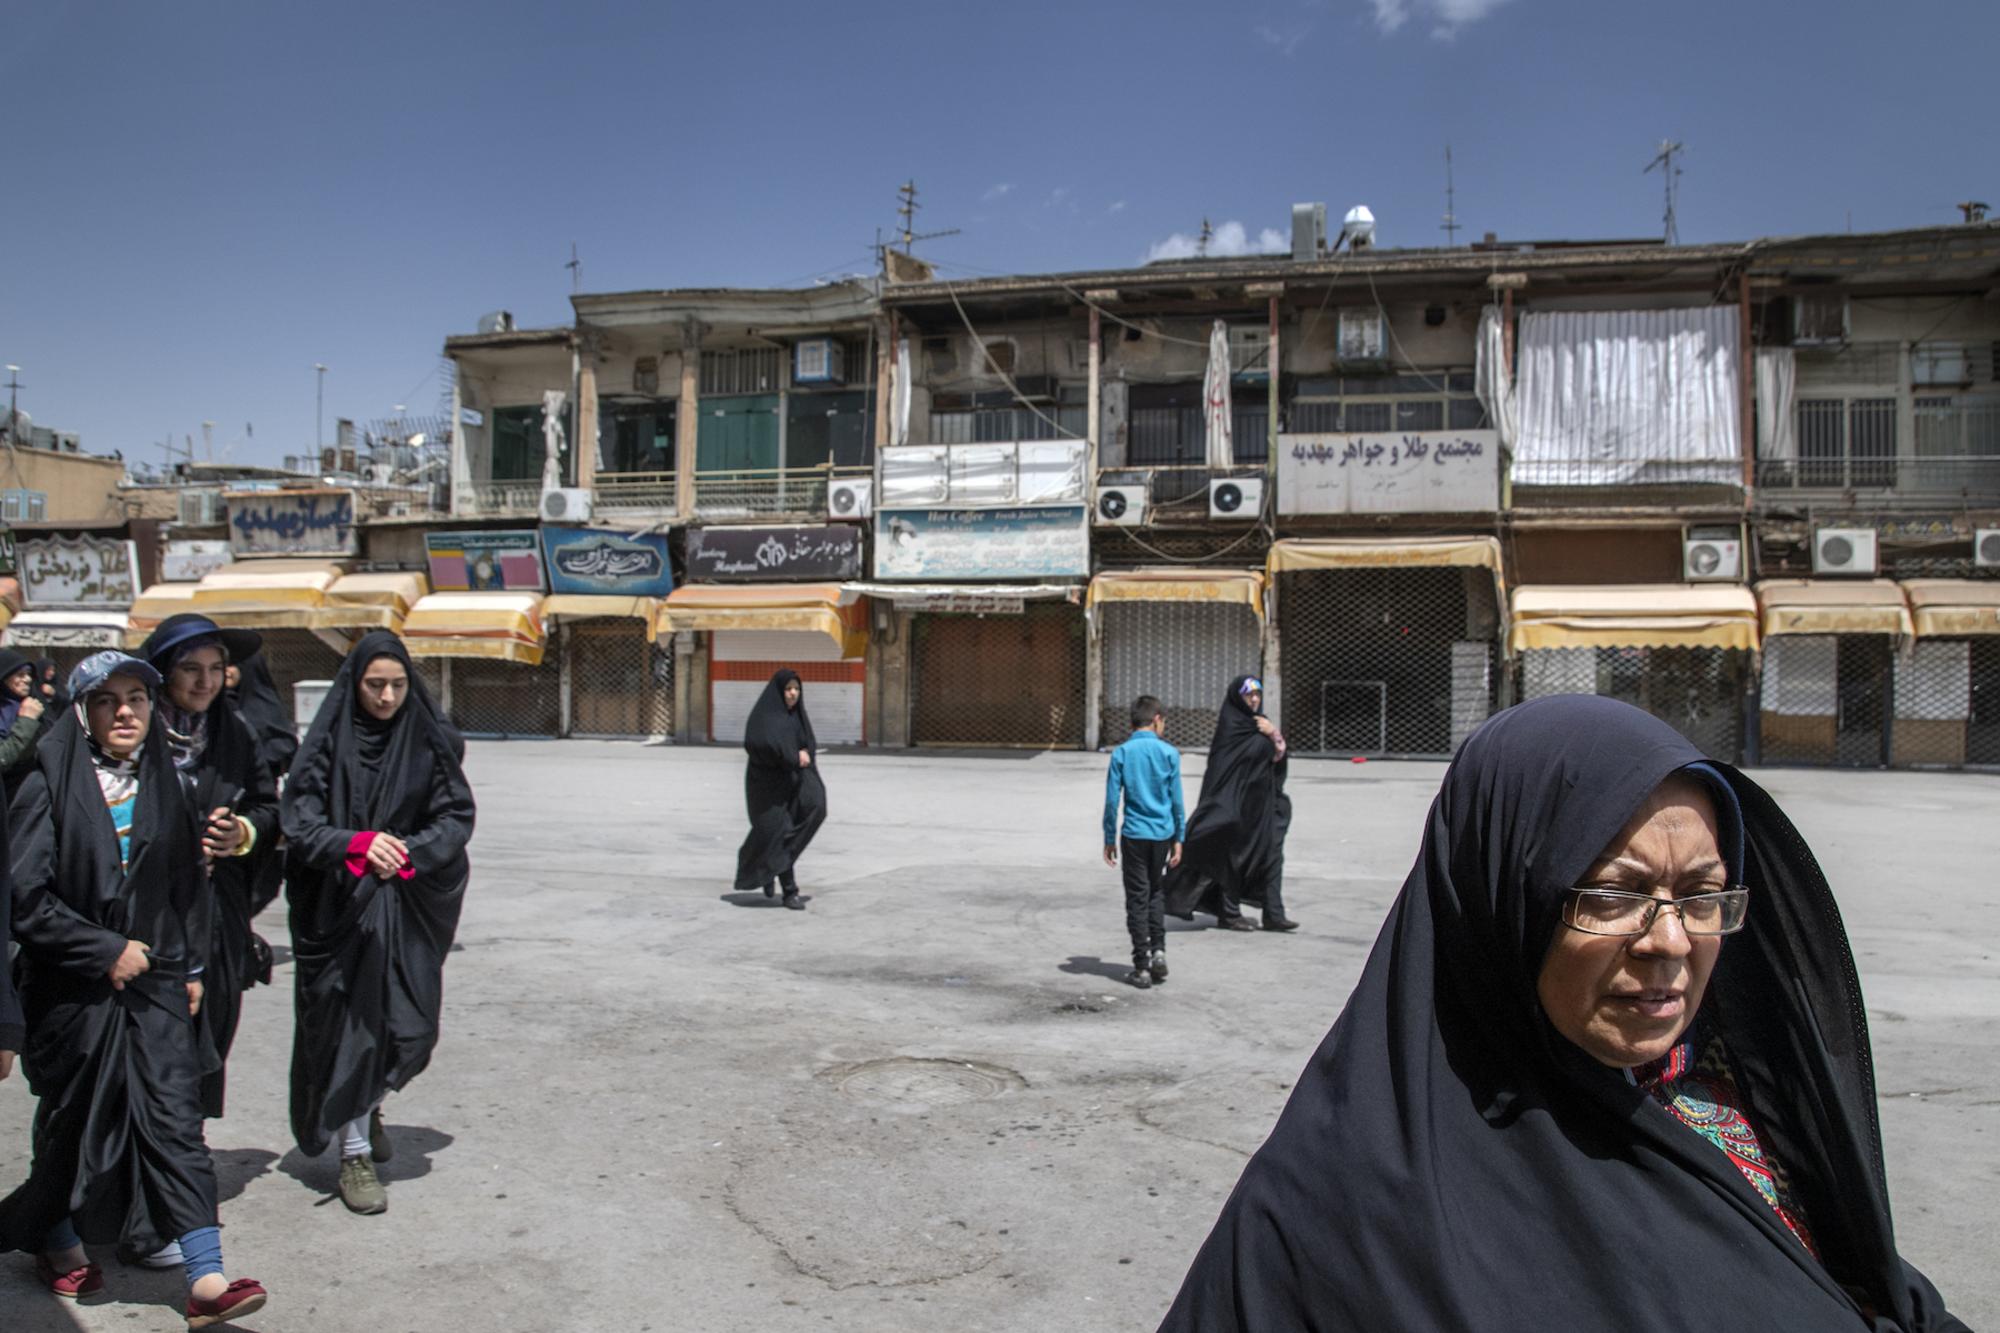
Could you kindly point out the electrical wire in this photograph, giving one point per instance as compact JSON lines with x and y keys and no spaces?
{"x":1006,"y":378}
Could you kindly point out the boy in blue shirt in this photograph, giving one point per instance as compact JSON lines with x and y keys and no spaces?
{"x":1146,"y":771}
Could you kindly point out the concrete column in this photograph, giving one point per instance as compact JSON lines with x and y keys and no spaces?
{"x":1274,"y":675}
{"x":885,"y":384}
{"x":559,"y":645}
{"x":586,"y":419}
{"x":1093,"y":679}
{"x":687,"y":421}
{"x":1276,"y":367}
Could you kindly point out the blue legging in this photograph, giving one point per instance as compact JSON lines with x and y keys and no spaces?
{"x":201,"y":1249}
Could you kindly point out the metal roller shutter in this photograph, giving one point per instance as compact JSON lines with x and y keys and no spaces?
{"x":619,"y":684}
{"x":999,"y":680}
{"x":1185,"y":653}
{"x":1697,"y":691}
{"x":494,"y":698}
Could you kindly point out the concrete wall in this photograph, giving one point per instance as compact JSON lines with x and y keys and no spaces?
{"x":81,"y":488}
{"x":1929,"y":318}
{"x":516,"y":377}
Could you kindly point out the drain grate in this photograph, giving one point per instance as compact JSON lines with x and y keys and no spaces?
{"x":912,"y":1083}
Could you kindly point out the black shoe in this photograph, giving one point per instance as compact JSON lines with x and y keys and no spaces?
{"x":793,"y":901}
{"x":1139,"y":978}
{"x":1157,"y":965}
{"x":1233,"y":923}
{"x":1280,"y":923}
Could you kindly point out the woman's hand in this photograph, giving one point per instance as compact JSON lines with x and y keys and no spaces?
{"x":31,"y":707}
{"x":224,"y":834}
{"x":805,"y":759}
{"x":195,"y":993}
{"x":387,"y":855}
{"x":1267,"y":726}
{"x":132,"y":963}
{"x":6,"y":1065}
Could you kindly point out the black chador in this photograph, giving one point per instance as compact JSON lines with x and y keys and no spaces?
{"x":216,"y":755}
{"x":369,"y":952}
{"x":786,"y":798}
{"x":1235,"y":848}
{"x":118,"y":1131}
{"x":257,"y":702}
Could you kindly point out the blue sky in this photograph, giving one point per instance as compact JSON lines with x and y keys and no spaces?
{"x":205,"y":200}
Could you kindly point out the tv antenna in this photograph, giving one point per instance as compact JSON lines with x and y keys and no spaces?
{"x":907,"y":208}
{"x":1450,"y":224}
{"x":1670,"y":171}
{"x":1974,"y":210}
{"x":575,"y":267}
{"x":1207,"y":235}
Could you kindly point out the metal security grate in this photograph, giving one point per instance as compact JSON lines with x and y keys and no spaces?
{"x":999,"y":680}
{"x":1183,"y":653}
{"x":1385,"y":661}
{"x":1697,"y":691}
{"x":1826,"y":699}
{"x":1947,"y":704}
{"x":619,"y":684}
{"x":295,"y":655}
{"x":491,"y":698}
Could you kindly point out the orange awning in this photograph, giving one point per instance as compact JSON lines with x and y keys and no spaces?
{"x":1230,"y":587}
{"x":371,"y":601}
{"x":806,"y":608}
{"x":1954,"y":608}
{"x":265,"y":594}
{"x":1633,"y":615}
{"x":1833,"y":606}
{"x":502,"y":625}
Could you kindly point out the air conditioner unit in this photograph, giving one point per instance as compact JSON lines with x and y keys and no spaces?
{"x":1239,"y":499}
{"x":851,"y":500}
{"x":819,"y":361}
{"x":567,"y":504}
{"x":201,"y":509}
{"x":1712,"y":555}
{"x":1844,"y":551}
{"x":1361,"y":336}
{"x":1120,"y":506}
{"x":1819,"y":321}
{"x":1986,"y":548}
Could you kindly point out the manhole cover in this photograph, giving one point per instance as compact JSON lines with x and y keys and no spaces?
{"x":909,"y":1083}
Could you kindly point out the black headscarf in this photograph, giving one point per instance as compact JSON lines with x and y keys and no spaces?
{"x":775,"y":734}
{"x":1448,"y":1162}
{"x":786,"y":802}
{"x":10,"y":707}
{"x":257,"y":702}
{"x":1237,"y":830}
{"x":48,"y":683}
{"x":369,"y":953}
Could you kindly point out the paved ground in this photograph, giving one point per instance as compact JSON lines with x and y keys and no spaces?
{"x":928,"y":1103}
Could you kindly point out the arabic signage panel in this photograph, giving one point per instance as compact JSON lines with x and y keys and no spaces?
{"x":600,"y":561}
{"x":1390,"y":472}
{"x":189,"y":561}
{"x":291,"y":522}
{"x":485,"y":561}
{"x":79,"y":572}
{"x":1051,"y":541}
{"x":775,"y":554}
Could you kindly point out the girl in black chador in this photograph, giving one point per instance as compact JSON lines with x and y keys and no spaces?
{"x":782,"y":788}
{"x":377,"y":813}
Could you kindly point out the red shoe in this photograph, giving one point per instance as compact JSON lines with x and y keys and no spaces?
{"x":241,"y":1297}
{"x":76,"y":1283}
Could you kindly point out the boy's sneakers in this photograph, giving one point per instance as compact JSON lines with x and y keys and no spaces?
{"x":1140,"y":976}
{"x":1157,"y":965}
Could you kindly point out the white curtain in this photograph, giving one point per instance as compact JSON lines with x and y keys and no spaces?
{"x":1624,"y":397}
{"x":553,"y":402}
{"x":1777,"y":394}
{"x":1215,"y":399}
{"x":1492,"y":382}
{"x":901,"y":434}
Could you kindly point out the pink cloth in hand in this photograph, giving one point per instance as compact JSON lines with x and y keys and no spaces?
{"x":357,"y":857}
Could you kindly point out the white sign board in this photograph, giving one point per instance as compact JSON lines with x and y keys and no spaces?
{"x":1390,"y":472}
{"x":79,"y":571}
{"x":1042,"y":541}
{"x":190,"y":561}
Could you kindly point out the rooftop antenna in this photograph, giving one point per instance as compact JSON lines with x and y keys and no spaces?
{"x":575,"y":267}
{"x":1974,"y":210}
{"x":1207,"y":235}
{"x":1671,"y":173}
{"x":907,"y":209}
{"x":1450,"y":224}
{"x":13,"y":402}
{"x":208,"y":441}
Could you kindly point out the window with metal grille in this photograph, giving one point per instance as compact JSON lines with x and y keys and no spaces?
{"x":1183,"y":653}
{"x":492,"y":698}
{"x":741,"y":370}
{"x":1167,"y":424}
{"x":1697,"y":691}
{"x":19,"y":506}
{"x":636,"y":436}
{"x":998,"y":425}
{"x":999,"y":680}
{"x":1385,"y":661}
{"x":619,"y":684}
{"x":1847,"y":442}
{"x":1356,"y":404}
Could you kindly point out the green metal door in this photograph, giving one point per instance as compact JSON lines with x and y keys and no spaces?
{"x":738,"y":434}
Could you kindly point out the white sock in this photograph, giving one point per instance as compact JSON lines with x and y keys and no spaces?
{"x":354,"y":1138}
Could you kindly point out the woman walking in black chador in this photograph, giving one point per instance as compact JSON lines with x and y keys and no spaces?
{"x":377,"y":813}
{"x":782,"y":788}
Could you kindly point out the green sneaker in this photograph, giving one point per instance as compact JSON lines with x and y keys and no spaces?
{"x":379,"y":1146}
{"x":360,"y":1190}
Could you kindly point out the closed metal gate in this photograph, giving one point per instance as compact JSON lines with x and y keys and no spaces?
{"x":1826,"y":699}
{"x":490,"y":698}
{"x":295,"y":655}
{"x":1697,"y":691}
{"x":1386,"y":661}
{"x":1184,"y":653}
{"x":619,"y":683}
{"x":1947,"y":704}
{"x":1982,"y":731}
{"x":999,"y":680}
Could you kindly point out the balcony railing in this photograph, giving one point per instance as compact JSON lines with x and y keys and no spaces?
{"x":753,"y":493}
{"x":613,"y":492}
{"x":1921,"y":480}
{"x":497,"y":498}
{"x":1176,"y":493}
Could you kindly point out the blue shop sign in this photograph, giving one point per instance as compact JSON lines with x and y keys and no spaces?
{"x":603,"y":562}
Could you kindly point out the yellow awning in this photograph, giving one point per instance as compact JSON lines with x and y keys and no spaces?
{"x":1234,"y":587}
{"x":805,"y":608}
{"x":371,"y":601}
{"x":1634,"y":615}
{"x":1827,"y":606}
{"x":156,"y":604}
{"x":598,"y":606}
{"x":1954,"y":608}
{"x":1362,"y":553}
{"x":265,"y":594}
{"x":502,"y":625}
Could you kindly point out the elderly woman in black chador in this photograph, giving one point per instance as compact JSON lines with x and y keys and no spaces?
{"x":232,"y":801}
{"x":377,"y":814}
{"x":782,"y":788}
{"x":25,"y":710}
{"x":1235,"y":849}
{"x":111,"y":910}
{"x":1606,"y":1068}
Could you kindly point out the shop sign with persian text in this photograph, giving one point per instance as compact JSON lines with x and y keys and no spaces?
{"x":79,"y":572}
{"x":1389,"y":472}
{"x":291,"y":522}
{"x":599,"y":561}
{"x":803,"y":554}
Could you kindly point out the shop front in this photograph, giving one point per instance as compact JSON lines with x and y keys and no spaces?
{"x":603,"y":609}
{"x":751,"y":630}
{"x":77,"y":593}
{"x":1682,"y":652}
{"x":1178,"y":634}
{"x":496,"y":676}
{"x":1829,"y":679}
{"x":1385,"y":647}
{"x":1948,"y":690}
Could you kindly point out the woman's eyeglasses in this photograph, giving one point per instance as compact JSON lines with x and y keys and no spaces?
{"x":1618,"y":912}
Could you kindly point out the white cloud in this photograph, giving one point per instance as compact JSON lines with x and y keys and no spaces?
{"x":1117,"y":207}
{"x":1057,"y":197}
{"x":1285,"y":42}
{"x":1446,"y":16}
{"x":1000,"y":191}
{"x":1231,"y":238}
